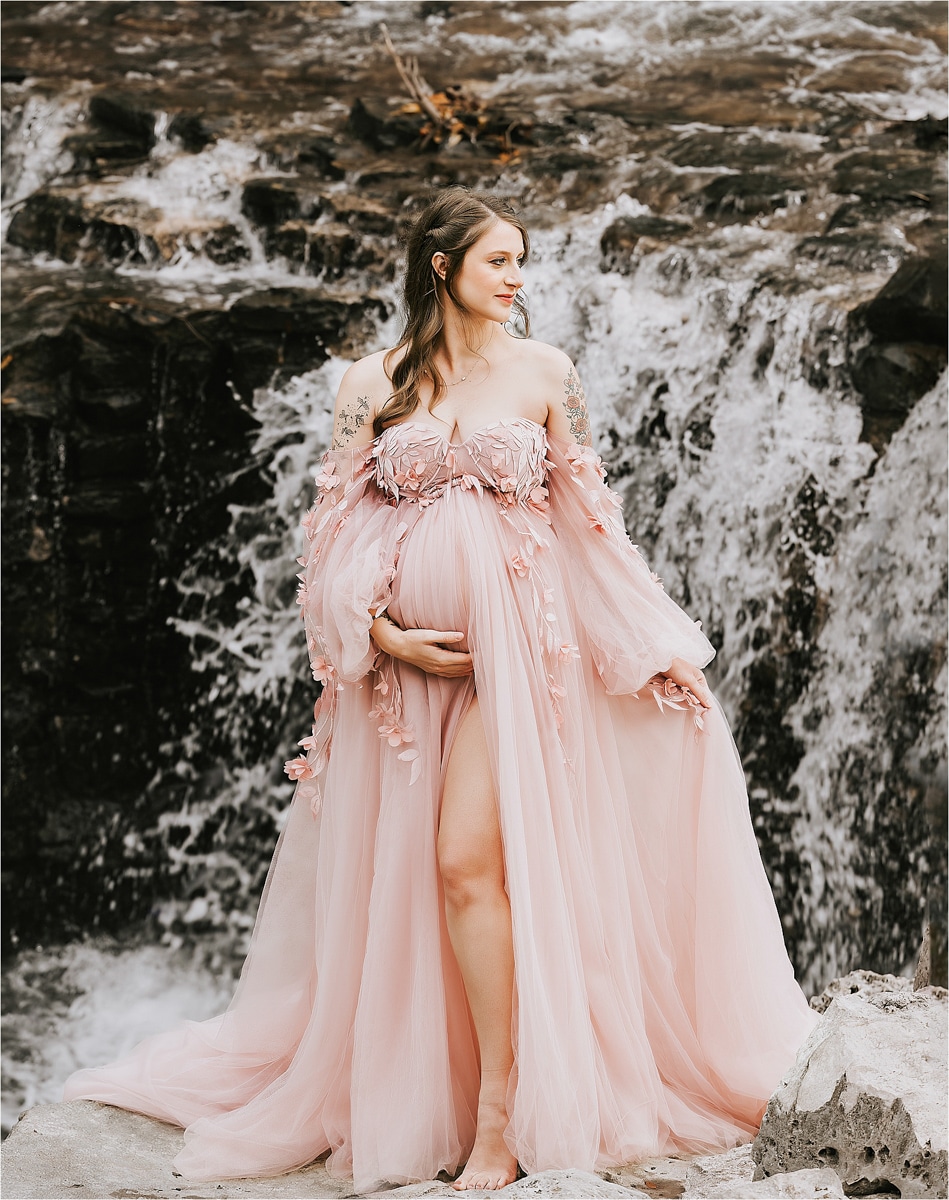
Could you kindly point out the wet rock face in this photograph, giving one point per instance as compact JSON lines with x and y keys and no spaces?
{"x":206,"y":176}
{"x":905,"y":355}
{"x":866,"y":1097}
{"x":127,"y":437}
{"x":621,"y":238}
{"x":63,"y":227}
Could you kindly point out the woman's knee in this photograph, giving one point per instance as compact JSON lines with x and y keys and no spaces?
{"x":469,"y":878}
{"x":470,"y":857}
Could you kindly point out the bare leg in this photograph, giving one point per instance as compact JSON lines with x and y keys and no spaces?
{"x":478,"y":914}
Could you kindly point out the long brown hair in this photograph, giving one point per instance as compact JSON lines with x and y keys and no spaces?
{"x":451,"y":223}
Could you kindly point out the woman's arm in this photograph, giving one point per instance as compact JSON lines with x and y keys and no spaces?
{"x":362,"y":392}
{"x":567,"y":416}
{"x":568,"y":419}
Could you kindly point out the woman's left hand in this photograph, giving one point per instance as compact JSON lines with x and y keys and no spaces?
{"x":685,"y":675}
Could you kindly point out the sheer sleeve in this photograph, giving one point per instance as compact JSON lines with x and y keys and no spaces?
{"x":348,"y":565}
{"x":633,"y":628}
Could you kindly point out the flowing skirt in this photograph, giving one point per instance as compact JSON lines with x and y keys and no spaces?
{"x":655,"y":1006}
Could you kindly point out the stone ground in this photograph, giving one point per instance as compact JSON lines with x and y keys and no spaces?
{"x":93,"y":1152}
{"x":90,"y":1151}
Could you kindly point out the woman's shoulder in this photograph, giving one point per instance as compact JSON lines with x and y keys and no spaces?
{"x":369,"y":370}
{"x":543,"y":357}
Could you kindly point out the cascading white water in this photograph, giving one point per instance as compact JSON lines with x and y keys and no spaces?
{"x":87,"y":1003}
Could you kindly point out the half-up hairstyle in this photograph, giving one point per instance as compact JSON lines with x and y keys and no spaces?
{"x":451,"y":223}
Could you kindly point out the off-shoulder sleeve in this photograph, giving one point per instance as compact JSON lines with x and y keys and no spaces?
{"x":348,"y":565}
{"x":634,"y":629}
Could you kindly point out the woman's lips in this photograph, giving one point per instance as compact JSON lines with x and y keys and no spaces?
{"x":506,"y":299}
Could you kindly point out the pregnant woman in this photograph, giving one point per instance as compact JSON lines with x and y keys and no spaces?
{"x":517,"y":916}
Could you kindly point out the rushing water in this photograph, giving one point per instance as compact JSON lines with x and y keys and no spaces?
{"x":87,"y":1003}
{"x":746,"y":476}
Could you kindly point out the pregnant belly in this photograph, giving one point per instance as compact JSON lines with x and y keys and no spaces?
{"x":429,"y":590}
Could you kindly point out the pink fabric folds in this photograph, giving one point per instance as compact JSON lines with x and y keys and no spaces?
{"x":634,"y":629}
{"x":656,"y":1008}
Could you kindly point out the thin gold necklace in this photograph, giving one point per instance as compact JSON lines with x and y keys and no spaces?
{"x":455,"y":382}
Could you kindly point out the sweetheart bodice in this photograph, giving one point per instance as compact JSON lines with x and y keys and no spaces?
{"x":416,"y":463}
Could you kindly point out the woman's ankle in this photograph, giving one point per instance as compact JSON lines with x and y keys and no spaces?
{"x":494,"y":1085}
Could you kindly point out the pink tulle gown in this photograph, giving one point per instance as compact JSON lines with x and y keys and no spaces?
{"x":655,"y":1006}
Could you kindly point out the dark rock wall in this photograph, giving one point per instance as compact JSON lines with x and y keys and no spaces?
{"x":127,"y":435}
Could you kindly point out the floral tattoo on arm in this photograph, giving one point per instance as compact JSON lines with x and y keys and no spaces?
{"x":575,"y":406}
{"x":349,"y":420}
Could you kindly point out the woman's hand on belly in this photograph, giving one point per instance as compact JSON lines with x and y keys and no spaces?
{"x":420,"y":648}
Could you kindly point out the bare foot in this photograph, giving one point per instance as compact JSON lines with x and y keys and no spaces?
{"x":491,"y":1165}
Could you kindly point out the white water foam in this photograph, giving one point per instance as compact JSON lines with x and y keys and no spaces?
{"x":87,"y":1003}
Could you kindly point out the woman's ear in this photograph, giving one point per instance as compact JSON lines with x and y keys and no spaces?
{"x":439,"y":264}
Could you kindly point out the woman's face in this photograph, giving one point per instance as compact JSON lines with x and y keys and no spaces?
{"x":490,"y":274}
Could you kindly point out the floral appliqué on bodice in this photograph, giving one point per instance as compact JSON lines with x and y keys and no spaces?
{"x":416,"y":463}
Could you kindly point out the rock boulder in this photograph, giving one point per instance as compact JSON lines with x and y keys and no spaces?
{"x":867,"y":1097}
{"x":870,"y":983}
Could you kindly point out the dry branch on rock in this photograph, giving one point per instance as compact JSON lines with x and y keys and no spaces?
{"x":452,"y":114}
